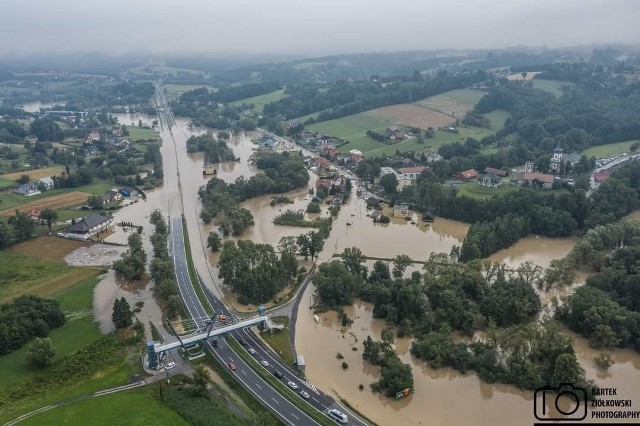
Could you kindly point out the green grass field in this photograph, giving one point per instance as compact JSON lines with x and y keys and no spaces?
{"x":552,"y":86}
{"x":134,"y":407}
{"x":454,"y":102}
{"x":260,"y":101}
{"x":136,"y":133}
{"x":609,"y":149}
{"x":6,"y":183}
{"x":473,"y":190}
{"x":279,"y":340}
{"x":79,"y":330}
{"x":498,"y":117}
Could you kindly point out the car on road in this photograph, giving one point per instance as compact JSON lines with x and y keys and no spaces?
{"x":214,"y":342}
{"x":304,"y":394}
{"x":232,"y":366}
{"x":338,"y":415}
{"x":252,"y":351}
{"x":264,"y":363}
{"x":277,"y":374}
{"x":242,"y":341}
{"x":292,"y":385}
{"x":170,"y":365}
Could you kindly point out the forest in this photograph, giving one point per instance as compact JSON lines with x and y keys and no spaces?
{"x":607,"y":309}
{"x":463,"y":298}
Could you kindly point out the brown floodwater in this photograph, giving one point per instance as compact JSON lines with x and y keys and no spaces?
{"x":442,"y":397}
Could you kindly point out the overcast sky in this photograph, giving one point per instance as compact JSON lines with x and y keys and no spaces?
{"x":308,"y":27}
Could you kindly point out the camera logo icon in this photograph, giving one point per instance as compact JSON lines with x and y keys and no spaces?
{"x":550,"y":404}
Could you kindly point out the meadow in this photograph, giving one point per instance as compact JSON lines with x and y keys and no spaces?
{"x":609,"y":149}
{"x":260,"y":101}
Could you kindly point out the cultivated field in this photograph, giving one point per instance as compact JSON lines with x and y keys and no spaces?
{"x":35,"y":174}
{"x":412,"y":115}
{"x":455,"y":103}
{"x":260,"y":101}
{"x":54,"y":202}
{"x":609,"y":149}
{"x":50,"y":248}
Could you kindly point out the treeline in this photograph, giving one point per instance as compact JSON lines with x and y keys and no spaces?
{"x":380,"y":137}
{"x":254,"y":271}
{"x":344,"y":98}
{"x":162,"y":271}
{"x":27,"y":317}
{"x":607,"y":309}
{"x":296,"y":218}
{"x":132,"y":264}
{"x":18,"y":228}
{"x":215,"y":151}
{"x":229,"y":93}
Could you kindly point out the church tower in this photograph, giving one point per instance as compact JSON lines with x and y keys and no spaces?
{"x":556,"y":160}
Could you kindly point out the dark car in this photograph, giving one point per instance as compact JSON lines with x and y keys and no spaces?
{"x":214,"y":342}
{"x":242,"y":341}
{"x":277,"y":374}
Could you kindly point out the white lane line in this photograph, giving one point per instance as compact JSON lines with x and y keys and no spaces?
{"x":275,"y":400}
{"x":258,"y":386}
{"x":293,"y":415}
{"x":243,"y":372}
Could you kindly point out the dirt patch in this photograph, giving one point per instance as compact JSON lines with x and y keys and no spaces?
{"x":94,"y":255}
{"x":55,"y":202}
{"x":35,"y":174}
{"x":412,"y":115}
{"x":51,"y":248}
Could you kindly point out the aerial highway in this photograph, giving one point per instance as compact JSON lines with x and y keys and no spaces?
{"x":264,"y":392}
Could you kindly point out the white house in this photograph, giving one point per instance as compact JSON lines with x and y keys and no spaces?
{"x":47,"y":182}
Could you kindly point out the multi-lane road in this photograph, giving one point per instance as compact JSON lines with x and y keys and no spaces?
{"x":289,"y":413}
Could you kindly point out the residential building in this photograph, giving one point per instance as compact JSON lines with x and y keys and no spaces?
{"x":489,"y":180}
{"x":111,"y":196}
{"x":324,"y":184}
{"x":47,"y":182}
{"x":535,"y":179}
{"x":387,"y":171}
{"x":394,"y":132}
{"x":401,"y":210}
{"x":434,"y":156}
{"x":31,"y":139}
{"x":468,"y":175}
{"x":322,"y":162}
{"x":90,"y":226}
{"x":34,"y":214}
{"x":571,"y":159}
{"x":497,"y":172}
{"x":412,"y":173}
{"x":28,"y":189}
{"x":596,"y":179}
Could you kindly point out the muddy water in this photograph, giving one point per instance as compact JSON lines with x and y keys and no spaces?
{"x":129,"y":119}
{"x":35,"y":106}
{"x":539,"y":250}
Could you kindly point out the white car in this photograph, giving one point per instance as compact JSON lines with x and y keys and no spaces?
{"x":252,"y":351}
{"x":170,"y":365}
{"x":292,"y":385}
{"x":305,"y":395}
{"x":264,"y":363}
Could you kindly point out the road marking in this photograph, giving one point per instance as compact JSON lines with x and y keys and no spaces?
{"x":275,"y":400}
{"x":316,"y":400}
{"x":258,"y":386}
{"x":243,"y":372}
{"x":293,"y":415}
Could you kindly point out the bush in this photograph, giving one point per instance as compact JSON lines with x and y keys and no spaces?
{"x":313,"y":208}
{"x":344,"y":365}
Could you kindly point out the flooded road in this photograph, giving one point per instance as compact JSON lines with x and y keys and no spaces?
{"x":442,"y":397}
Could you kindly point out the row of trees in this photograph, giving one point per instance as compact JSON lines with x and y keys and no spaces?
{"x":254,"y":271}
{"x":132,"y":264}
{"x":27,"y":317}
{"x":18,"y":228}
{"x":162,"y":271}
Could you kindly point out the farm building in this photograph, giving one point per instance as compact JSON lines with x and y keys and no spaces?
{"x":90,"y":226}
{"x":401,"y":210}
